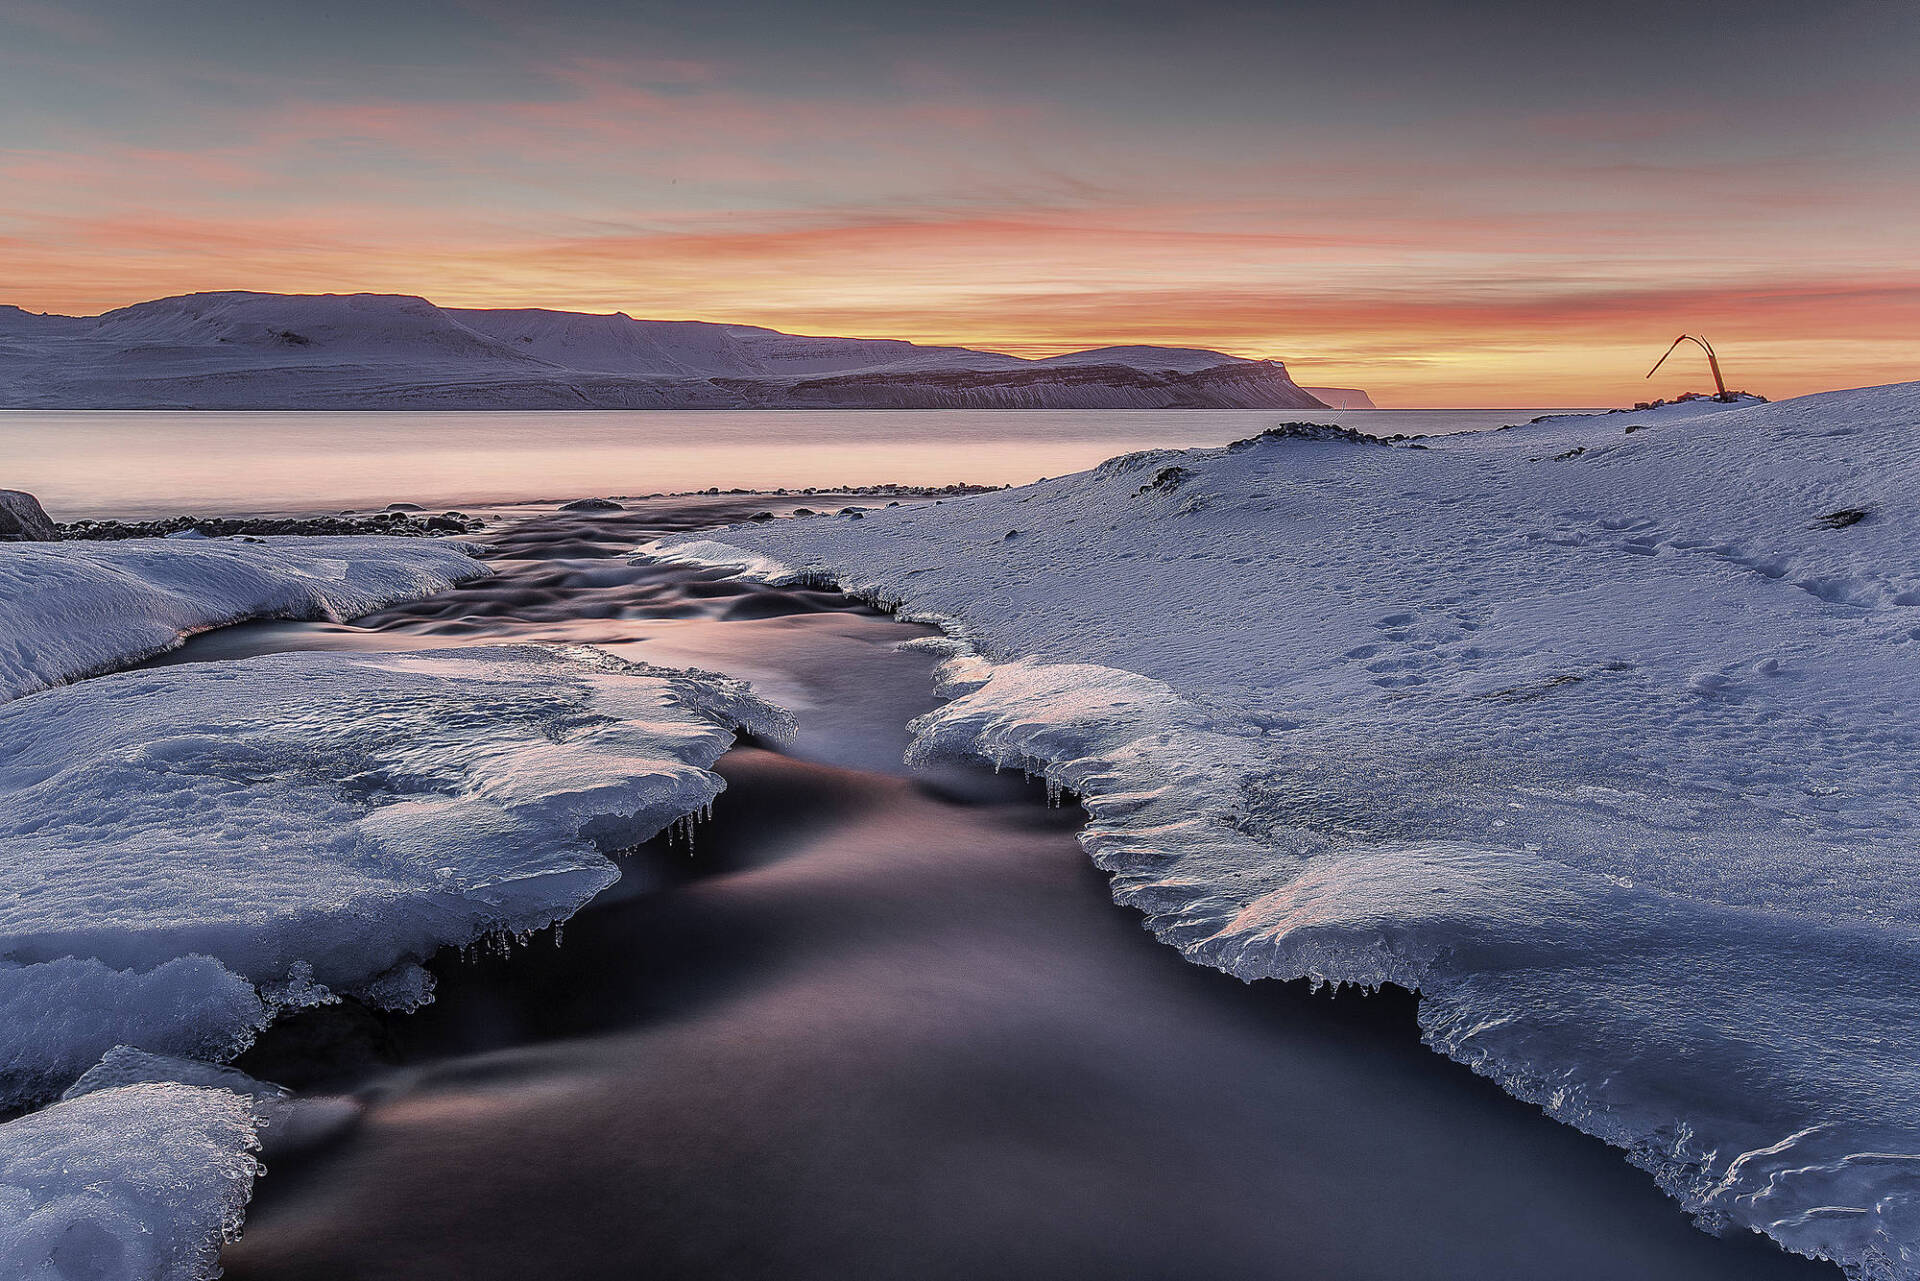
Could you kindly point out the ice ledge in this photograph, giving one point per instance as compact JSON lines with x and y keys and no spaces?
{"x":71,"y":610}
{"x":189,"y":849}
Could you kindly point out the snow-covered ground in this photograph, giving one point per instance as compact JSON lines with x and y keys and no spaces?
{"x":68,"y":610}
{"x":1603,"y":732}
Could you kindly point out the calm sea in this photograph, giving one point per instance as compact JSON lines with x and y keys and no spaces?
{"x":97,"y":463}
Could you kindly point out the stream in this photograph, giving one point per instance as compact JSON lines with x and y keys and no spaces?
{"x":880,"y":1022}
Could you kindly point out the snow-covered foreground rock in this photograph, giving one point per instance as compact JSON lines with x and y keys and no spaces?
{"x":186,"y":851}
{"x":69,"y":610}
{"x":1604,"y":733}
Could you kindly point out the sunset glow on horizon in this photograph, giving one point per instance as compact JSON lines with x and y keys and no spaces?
{"x":1526,"y":214}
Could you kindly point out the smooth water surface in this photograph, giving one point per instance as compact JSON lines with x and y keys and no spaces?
{"x":134,"y":463}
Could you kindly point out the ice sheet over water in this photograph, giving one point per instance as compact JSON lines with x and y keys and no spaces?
{"x":187,"y":849}
{"x":1604,"y":733}
{"x":69,"y":610}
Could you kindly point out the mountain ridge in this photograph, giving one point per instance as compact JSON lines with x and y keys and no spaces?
{"x":248,"y":350}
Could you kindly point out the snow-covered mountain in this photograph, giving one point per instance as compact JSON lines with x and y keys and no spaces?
{"x":382,"y":351}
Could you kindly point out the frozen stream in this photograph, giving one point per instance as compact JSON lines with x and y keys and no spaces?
{"x":886,"y":1024}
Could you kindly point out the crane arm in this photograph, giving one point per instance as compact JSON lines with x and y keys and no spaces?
{"x":1713,"y":363}
{"x":1663,"y":359}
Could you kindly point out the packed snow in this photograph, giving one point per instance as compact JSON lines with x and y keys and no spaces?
{"x":1602,"y":732}
{"x":135,"y":1183}
{"x":69,"y":610}
{"x":186,"y":850}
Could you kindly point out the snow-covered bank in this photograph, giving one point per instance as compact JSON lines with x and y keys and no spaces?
{"x":187,"y":851}
{"x":69,"y":610}
{"x":1603,"y":732}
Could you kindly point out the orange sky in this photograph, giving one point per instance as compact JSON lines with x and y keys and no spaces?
{"x":1430,"y":236}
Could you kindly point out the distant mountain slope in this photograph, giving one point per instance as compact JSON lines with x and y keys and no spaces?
{"x":375,"y":351}
{"x":1343,"y":397}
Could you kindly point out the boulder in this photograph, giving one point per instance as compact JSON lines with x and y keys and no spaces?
{"x":592,"y":505}
{"x":22,"y":519}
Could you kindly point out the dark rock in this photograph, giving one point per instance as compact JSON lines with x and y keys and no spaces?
{"x":1306,"y":431}
{"x":405,"y":507}
{"x":22,"y":519}
{"x":391,"y":524}
{"x":1844,"y":517}
{"x":592,"y":505}
{"x":1166,"y":480}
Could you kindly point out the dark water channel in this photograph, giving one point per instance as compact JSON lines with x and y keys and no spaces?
{"x":886,"y":1024}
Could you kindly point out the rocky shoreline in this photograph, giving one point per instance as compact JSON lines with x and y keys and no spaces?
{"x":22,"y":519}
{"x":397,"y":524}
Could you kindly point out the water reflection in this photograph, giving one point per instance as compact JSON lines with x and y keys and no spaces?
{"x":144,"y":463}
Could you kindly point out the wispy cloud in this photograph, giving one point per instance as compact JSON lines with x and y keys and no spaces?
{"x":1438,"y":247}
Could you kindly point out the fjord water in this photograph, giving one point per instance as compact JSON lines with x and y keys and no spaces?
{"x":882,"y":1022}
{"x":140,"y":463}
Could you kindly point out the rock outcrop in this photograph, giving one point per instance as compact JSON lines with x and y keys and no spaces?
{"x":22,"y":519}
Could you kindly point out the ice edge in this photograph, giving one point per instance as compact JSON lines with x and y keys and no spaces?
{"x":1141,"y":766}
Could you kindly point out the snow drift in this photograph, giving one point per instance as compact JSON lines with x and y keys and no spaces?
{"x":374,"y":351}
{"x":1604,"y":733}
{"x":69,"y":610}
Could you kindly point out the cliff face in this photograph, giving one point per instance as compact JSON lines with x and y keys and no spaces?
{"x":1343,"y":397}
{"x":1240,"y":385}
{"x":370,"y":351}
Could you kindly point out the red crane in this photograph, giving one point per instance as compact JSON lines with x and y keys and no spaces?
{"x":1713,"y":362}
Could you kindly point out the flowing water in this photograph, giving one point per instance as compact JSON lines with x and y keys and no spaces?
{"x":138,"y":463}
{"x":885,"y":1023}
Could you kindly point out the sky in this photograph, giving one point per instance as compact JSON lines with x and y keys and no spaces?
{"x":1497,"y":204}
